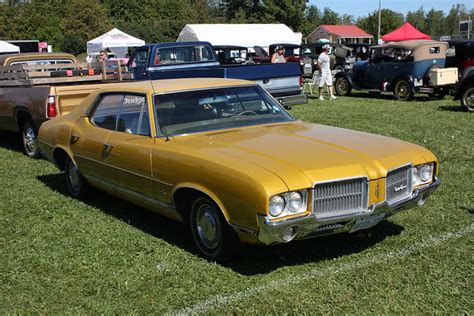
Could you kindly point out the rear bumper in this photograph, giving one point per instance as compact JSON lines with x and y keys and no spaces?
{"x":309,"y":226}
{"x":292,"y":100}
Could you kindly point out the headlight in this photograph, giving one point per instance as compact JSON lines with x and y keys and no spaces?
{"x":295,"y":201}
{"x":277,"y":205}
{"x":289,"y":203}
{"x":426,"y":173}
{"x":422,"y":174}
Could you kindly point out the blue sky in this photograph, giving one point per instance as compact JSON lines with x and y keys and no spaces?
{"x":364,"y":7}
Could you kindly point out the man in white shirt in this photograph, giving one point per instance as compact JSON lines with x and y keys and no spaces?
{"x":325,"y":76}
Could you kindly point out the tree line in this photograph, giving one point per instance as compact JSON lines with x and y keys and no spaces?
{"x":69,"y":24}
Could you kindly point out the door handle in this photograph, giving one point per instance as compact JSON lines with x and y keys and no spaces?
{"x":74,"y":138}
{"x":108,"y":148}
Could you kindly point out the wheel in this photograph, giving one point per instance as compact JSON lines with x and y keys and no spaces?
{"x":30,"y":142}
{"x":77,"y":185}
{"x":342,"y":86}
{"x":467,"y":97}
{"x":402,"y":90}
{"x":213,"y":236}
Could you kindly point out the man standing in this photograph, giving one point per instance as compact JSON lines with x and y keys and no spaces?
{"x":325,"y":76}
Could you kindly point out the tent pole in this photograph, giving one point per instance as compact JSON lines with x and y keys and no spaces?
{"x":378,"y":29}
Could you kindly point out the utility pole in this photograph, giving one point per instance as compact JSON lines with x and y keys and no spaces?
{"x":378,"y":30}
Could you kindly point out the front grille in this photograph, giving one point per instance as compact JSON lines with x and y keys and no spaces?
{"x":399,"y":184}
{"x":340,"y":199}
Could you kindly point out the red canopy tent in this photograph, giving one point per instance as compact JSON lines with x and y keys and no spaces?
{"x":404,"y":33}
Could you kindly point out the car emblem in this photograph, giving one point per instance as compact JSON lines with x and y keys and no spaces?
{"x":400,"y":188}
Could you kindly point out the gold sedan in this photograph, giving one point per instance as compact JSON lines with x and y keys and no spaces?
{"x":225,"y":157}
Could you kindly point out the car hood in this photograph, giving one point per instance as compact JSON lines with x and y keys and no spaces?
{"x":302,"y":154}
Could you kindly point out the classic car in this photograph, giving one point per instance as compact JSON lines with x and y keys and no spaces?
{"x":465,"y":91}
{"x":230,"y":54}
{"x":225,"y":157}
{"x":404,"y":68}
{"x":463,"y":57}
{"x":292,"y":51}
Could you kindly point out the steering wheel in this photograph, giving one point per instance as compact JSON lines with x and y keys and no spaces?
{"x":246,"y":112}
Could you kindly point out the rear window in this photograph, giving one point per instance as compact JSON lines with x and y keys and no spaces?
{"x":434,"y":50}
{"x":183,"y":54}
{"x":42,"y":62}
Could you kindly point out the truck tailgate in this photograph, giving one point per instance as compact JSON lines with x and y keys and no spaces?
{"x":67,"y":97}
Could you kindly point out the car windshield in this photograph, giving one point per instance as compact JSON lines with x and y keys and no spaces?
{"x":215,"y":109}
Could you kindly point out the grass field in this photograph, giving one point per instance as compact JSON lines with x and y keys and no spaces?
{"x":60,"y":255}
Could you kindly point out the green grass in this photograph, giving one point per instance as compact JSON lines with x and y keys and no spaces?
{"x":60,"y":255}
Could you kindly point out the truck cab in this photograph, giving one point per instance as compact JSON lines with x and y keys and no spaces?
{"x":198,"y":60}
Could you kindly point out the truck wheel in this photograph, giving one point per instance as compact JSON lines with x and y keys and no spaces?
{"x":77,"y":185}
{"x":342,"y":86}
{"x":30,"y":142}
{"x":403,"y":90}
{"x":213,"y":236}
{"x":467,"y":97}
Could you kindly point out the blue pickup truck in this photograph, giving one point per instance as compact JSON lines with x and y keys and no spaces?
{"x":198,"y":60}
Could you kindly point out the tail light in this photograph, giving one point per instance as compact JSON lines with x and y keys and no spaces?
{"x":51,"y":107}
{"x":301,"y":81}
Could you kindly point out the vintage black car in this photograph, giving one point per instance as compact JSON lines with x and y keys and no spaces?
{"x":405,"y":68}
{"x":228,"y":54}
{"x":465,"y":91}
{"x":462,"y":56}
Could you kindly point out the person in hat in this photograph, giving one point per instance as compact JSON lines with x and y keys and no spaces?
{"x":325,"y":76}
{"x":279,"y":56}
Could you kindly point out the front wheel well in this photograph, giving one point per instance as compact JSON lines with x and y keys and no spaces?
{"x":183,"y":199}
{"x":60,"y":156}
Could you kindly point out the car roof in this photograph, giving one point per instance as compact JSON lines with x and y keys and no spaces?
{"x":9,"y":58}
{"x":411,"y":45}
{"x":174,"y":85}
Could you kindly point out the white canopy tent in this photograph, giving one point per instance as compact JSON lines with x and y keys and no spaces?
{"x":247,"y":35}
{"x":116,"y":41}
{"x":6,"y":47}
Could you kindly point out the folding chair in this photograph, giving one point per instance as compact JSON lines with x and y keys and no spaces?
{"x":311,"y":82}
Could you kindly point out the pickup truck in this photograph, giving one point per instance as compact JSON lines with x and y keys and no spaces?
{"x":198,"y":60}
{"x":31,"y":94}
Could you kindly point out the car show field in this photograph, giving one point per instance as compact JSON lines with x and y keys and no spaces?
{"x":103,"y":255}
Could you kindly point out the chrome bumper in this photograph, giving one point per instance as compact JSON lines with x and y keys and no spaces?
{"x":308,"y":226}
{"x":292,"y":100}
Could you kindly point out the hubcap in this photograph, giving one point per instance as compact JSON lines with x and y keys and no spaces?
{"x":74,"y":177}
{"x":342,"y":86}
{"x":208,"y":226}
{"x":29,"y":140}
{"x":403,"y":90}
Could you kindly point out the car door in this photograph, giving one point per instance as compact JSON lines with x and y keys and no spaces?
{"x":89,"y":135}
{"x":128,"y":157}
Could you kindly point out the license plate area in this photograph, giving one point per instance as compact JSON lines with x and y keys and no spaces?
{"x":367,"y":222}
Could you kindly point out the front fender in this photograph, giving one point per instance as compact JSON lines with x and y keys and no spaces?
{"x":348,"y":77}
{"x":463,"y":83}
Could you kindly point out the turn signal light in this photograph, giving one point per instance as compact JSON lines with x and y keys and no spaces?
{"x":51,"y":107}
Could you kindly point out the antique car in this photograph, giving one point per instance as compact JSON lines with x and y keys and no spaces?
{"x":462,"y":57}
{"x":292,"y":52}
{"x":404,"y":68}
{"x":229,"y":54}
{"x":224,"y":157}
{"x":465,"y":91}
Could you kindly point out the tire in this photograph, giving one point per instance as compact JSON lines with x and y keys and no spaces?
{"x":30,"y":141}
{"x":467,"y":97}
{"x":213,"y":236}
{"x":343,"y":87}
{"x":77,"y":185}
{"x":402,"y":90}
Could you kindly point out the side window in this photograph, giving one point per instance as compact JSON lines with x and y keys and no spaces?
{"x":164,"y":56}
{"x":133,"y":116}
{"x":434,"y":50}
{"x":141,"y":58}
{"x":106,"y":112}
